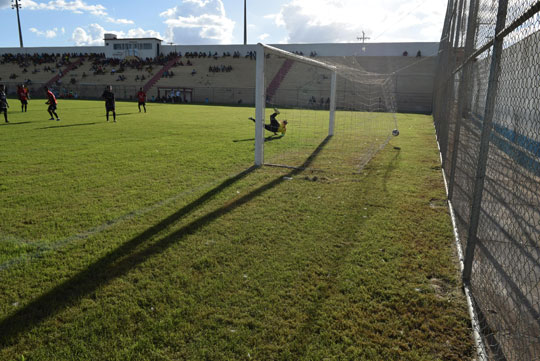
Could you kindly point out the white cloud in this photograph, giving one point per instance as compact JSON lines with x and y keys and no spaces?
{"x":45,"y":33}
{"x":76,"y":7}
{"x":263,"y":36}
{"x":199,"y":22}
{"x":5,"y":3}
{"x":93,"y":34}
{"x":120,"y":21}
{"x":344,"y":20}
{"x":276,"y":18}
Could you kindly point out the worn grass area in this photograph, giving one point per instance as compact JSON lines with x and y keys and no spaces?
{"x":152,"y":239}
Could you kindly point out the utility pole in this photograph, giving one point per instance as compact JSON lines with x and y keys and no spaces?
{"x":245,"y":23}
{"x":17,"y":6}
{"x":363,"y":38}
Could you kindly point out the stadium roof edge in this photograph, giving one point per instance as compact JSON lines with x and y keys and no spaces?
{"x":123,"y":39}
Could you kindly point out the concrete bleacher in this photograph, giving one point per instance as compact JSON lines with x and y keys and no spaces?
{"x":216,"y":86}
{"x":414,"y":80}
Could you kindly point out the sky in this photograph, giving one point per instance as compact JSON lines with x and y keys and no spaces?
{"x":188,"y":22}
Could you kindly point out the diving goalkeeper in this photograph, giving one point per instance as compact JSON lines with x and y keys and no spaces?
{"x":275,"y":125}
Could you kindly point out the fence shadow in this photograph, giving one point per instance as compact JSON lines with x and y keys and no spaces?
{"x":120,"y":261}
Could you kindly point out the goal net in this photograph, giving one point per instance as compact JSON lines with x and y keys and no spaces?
{"x":338,"y":115}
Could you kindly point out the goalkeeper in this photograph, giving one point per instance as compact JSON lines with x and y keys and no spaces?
{"x":275,"y":125}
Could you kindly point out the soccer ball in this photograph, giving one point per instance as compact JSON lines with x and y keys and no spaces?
{"x":395,"y":132}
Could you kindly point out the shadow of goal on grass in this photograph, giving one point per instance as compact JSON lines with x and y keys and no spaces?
{"x":120,"y":261}
{"x":267,"y":139}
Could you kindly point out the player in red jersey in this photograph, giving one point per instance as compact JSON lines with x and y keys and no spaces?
{"x":51,"y":101}
{"x":141,"y":96}
{"x":24,"y":95}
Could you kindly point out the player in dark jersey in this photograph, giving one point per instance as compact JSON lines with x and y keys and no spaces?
{"x":22,"y":92}
{"x":141,"y":96}
{"x":51,"y":101}
{"x":110,"y":105}
{"x":275,"y":125}
{"x":3,"y":102}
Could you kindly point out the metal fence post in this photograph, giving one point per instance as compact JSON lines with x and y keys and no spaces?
{"x":464,"y":91}
{"x":484,"y":141}
{"x":442,"y":73}
{"x":449,"y":89}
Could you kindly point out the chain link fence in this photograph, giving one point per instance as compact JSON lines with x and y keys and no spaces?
{"x":487,"y":118}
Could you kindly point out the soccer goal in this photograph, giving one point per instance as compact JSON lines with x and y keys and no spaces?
{"x":338,"y":115}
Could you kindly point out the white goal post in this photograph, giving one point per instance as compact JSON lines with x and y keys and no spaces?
{"x":260,"y":93}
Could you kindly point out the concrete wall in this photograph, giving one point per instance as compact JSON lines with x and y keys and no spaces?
{"x":342,"y":49}
{"x":54,"y":50}
{"x":414,"y":76}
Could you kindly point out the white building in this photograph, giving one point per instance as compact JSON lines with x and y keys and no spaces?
{"x":139,"y":47}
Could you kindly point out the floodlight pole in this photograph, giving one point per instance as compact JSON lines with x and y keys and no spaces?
{"x":17,"y":6}
{"x":245,"y":22}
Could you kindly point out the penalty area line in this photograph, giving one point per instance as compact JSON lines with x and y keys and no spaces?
{"x":43,"y":248}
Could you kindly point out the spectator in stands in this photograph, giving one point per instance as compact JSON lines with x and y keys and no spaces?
{"x":193,"y":72}
{"x":24,"y":95}
{"x":141,"y":96}
{"x":419,"y":54}
{"x":52,"y":102}
{"x":110,"y":105}
{"x":3,"y":102}
{"x":405,"y":53}
{"x":275,"y":126}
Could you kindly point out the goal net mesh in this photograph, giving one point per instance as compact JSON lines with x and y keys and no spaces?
{"x":365,"y":110}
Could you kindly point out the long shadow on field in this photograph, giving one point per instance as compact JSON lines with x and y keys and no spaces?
{"x":68,"y":125}
{"x":117,"y":114}
{"x":267,"y":139}
{"x":391,"y":167}
{"x":123,"y":259}
{"x":10,"y":123}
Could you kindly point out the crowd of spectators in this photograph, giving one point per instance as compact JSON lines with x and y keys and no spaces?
{"x":100,"y":64}
{"x":172,"y":96}
{"x":167,"y":74}
{"x":222,"y":68}
{"x":322,"y":103}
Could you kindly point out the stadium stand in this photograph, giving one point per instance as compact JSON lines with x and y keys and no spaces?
{"x":206,"y":76}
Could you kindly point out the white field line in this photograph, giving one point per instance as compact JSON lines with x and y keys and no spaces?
{"x":42,"y":248}
{"x":480,"y":348}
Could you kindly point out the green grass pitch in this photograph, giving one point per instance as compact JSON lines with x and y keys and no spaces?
{"x":153,"y":239}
